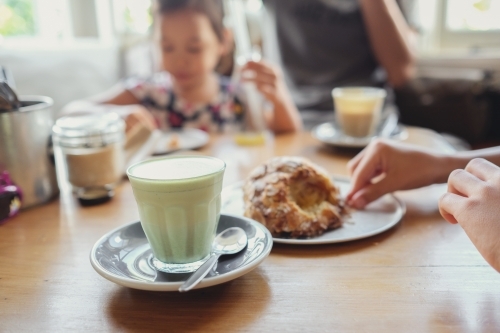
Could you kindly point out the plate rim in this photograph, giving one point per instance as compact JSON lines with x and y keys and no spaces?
{"x":197,"y":131}
{"x":311,"y":241}
{"x":174,"y":286}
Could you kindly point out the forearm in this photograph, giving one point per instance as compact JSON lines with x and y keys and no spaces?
{"x":448,"y":163}
{"x":285,"y":117}
{"x":391,"y":39}
{"x":115,"y":99}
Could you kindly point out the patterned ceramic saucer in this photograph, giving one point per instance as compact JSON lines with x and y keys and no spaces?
{"x":124,"y":256}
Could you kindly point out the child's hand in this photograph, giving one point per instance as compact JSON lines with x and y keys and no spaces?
{"x":139,"y":125}
{"x":394,"y":166}
{"x":139,"y":116}
{"x":473,"y":200}
{"x":267,"y":78}
{"x":269,"y":81}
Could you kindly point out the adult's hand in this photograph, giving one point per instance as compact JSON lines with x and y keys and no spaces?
{"x":473,"y":201}
{"x":386,"y":166}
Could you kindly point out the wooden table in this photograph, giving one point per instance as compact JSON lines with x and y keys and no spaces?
{"x":424,"y":275}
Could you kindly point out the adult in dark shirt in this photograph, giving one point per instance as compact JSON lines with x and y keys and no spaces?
{"x":322,"y":44}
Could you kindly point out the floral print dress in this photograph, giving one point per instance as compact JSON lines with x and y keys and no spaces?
{"x":224,"y":114}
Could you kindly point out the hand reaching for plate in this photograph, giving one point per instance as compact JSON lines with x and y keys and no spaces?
{"x":385,"y":166}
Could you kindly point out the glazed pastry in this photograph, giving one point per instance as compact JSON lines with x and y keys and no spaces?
{"x":293,"y":197}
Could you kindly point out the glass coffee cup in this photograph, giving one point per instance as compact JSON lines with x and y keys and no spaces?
{"x":358,"y":109}
{"x":179,"y":201}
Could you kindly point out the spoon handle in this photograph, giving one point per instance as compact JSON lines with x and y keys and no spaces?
{"x":200,"y":273}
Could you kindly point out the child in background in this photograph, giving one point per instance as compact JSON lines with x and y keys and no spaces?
{"x":192,"y":39}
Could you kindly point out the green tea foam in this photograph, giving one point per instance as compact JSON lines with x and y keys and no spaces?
{"x":176,"y":168}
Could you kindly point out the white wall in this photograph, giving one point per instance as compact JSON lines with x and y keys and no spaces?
{"x":63,"y":73}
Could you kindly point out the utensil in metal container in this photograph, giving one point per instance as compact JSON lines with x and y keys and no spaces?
{"x":26,"y":149}
{"x":8,"y":98}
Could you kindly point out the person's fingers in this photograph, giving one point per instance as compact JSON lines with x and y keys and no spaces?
{"x":261,"y":66}
{"x":142,"y":116}
{"x":354,"y":162}
{"x":254,"y":71}
{"x":370,"y":193}
{"x":248,"y":70}
{"x":260,"y":79}
{"x":267,"y":90}
{"x":463,"y":183}
{"x":259,"y":76}
{"x":449,"y":206}
{"x":377,"y":176}
{"x":482,"y":168}
{"x":130,"y":121}
{"x":149,"y":119}
{"x":367,"y":168}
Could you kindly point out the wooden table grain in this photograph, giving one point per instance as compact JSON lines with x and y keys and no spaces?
{"x":424,"y":275}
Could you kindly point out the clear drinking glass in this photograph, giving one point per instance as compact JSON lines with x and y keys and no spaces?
{"x":179,"y":205}
{"x":89,"y":152}
{"x":358,"y":109}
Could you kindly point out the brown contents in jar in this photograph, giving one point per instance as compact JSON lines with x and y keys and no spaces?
{"x":95,"y":167}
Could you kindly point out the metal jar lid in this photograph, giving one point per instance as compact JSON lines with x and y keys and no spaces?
{"x":91,"y":130}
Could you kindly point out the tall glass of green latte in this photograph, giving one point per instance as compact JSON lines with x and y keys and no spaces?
{"x":179,"y":207}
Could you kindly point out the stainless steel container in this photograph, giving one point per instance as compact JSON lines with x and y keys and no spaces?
{"x":26,"y":149}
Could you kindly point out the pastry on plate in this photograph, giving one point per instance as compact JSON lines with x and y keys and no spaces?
{"x":293,"y":197}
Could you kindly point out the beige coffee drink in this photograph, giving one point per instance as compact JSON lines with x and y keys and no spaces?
{"x":179,"y":206}
{"x":94,"y":167}
{"x":358,"y":109}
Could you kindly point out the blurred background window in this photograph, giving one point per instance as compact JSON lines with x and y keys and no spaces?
{"x":17,"y":18}
{"x":132,"y":16}
{"x":473,"y":15}
{"x":456,"y":26}
{"x":469,"y":25}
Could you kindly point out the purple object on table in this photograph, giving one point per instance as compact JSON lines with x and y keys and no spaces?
{"x":10,"y":197}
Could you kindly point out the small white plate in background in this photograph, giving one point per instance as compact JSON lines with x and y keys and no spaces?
{"x":185,"y":139}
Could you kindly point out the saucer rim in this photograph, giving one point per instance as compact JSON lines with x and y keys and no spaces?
{"x":174,"y":286}
{"x":358,"y":142}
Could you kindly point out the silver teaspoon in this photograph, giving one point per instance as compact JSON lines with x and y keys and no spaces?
{"x":230,"y":241}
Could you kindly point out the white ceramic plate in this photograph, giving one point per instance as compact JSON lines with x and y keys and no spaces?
{"x":123,"y":256}
{"x":189,"y":138}
{"x":330,"y":133}
{"x":376,"y":218}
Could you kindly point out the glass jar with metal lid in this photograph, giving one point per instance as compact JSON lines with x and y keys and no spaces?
{"x":89,"y":151}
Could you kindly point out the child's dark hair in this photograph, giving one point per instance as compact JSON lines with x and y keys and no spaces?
{"x":213,"y":9}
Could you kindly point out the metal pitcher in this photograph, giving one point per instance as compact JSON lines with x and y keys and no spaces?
{"x":26,"y":149}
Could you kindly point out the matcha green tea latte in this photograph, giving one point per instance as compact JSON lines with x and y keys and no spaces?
{"x":179,"y":206}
